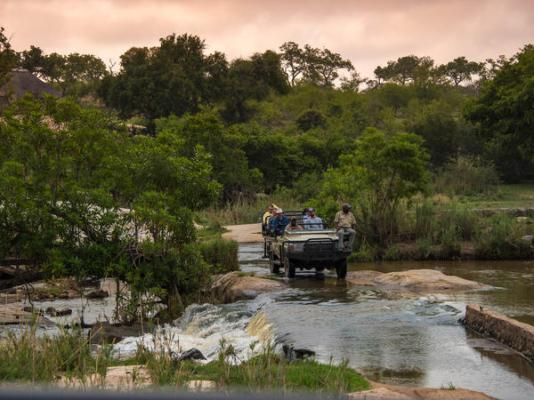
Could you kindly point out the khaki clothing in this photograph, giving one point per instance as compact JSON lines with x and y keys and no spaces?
{"x":343,"y":220}
{"x":266,"y":217}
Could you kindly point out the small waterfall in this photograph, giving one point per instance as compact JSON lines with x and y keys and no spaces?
{"x":204,"y":326}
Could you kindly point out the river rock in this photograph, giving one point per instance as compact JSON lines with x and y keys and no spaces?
{"x":235,"y":286}
{"x":51,"y":311}
{"x":293,"y":354}
{"x":390,"y":392}
{"x":97,"y":294}
{"x":416,"y":280}
{"x":191,"y":354}
{"x":104,"y":332}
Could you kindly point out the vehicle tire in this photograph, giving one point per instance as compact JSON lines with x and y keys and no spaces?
{"x":274,"y":268}
{"x":289,"y":268}
{"x":341,"y":268}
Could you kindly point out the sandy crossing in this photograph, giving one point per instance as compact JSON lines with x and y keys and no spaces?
{"x":246,"y":233}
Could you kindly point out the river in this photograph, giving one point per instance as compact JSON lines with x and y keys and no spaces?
{"x":407,"y":341}
{"x":414,"y":341}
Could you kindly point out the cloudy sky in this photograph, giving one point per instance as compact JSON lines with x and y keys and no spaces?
{"x":368,"y":32}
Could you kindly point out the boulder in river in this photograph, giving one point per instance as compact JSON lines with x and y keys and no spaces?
{"x":235,"y":286}
{"x":416,"y":280}
{"x":97,"y":294}
{"x":191,"y":354}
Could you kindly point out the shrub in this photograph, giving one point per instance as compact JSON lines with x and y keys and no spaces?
{"x":220,"y":254}
{"x":450,"y":247}
{"x":502,"y":239}
{"x":466,"y":176}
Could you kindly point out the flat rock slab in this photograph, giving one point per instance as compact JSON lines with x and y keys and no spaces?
{"x":234,"y":286}
{"x":14,"y":314}
{"x":246,"y":233}
{"x":123,"y":377}
{"x":106,"y":333}
{"x":415,"y":280}
{"x":387,"y":392}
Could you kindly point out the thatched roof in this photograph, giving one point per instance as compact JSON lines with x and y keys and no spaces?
{"x":20,"y":82}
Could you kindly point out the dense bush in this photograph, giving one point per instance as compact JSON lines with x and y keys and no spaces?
{"x":466,"y":176}
{"x":220,"y":254}
{"x":502,"y":239}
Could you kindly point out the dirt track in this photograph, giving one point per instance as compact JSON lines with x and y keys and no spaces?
{"x":247,"y":233}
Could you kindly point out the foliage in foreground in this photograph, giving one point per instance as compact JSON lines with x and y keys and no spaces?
{"x":26,"y":356}
{"x":265,"y":371}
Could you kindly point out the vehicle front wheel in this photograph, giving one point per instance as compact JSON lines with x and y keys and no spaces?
{"x":273,"y":267}
{"x":341,"y":268}
{"x":289,"y":268}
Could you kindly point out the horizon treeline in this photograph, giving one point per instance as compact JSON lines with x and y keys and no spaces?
{"x":284,"y":117}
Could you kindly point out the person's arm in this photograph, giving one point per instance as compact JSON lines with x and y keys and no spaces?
{"x":336,"y":220}
{"x":353,"y":221}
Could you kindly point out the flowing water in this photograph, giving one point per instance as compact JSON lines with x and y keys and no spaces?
{"x":414,"y":341}
{"x":408,"y":341}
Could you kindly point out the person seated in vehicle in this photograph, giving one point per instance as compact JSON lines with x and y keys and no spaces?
{"x":312,"y":222}
{"x":278,"y":222}
{"x":293,"y":226}
{"x":268,"y":213}
{"x":345,"y":224}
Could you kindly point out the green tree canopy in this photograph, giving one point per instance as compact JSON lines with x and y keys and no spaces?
{"x":375,"y":177}
{"x":504,"y":114}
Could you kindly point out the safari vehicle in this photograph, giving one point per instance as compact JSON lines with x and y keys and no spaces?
{"x":304,"y":250}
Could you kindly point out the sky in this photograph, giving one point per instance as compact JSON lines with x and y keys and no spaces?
{"x":368,"y":32}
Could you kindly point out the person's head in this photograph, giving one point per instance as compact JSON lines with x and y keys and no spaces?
{"x":311,"y":212}
{"x":346,"y":208}
{"x":278,"y":212}
{"x":293,"y":221}
{"x":270,"y":208}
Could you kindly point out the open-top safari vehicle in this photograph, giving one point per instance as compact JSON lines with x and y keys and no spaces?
{"x":311,"y":247}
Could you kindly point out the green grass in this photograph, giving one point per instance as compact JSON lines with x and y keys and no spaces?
{"x":264,"y":372}
{"x":506,"y":196}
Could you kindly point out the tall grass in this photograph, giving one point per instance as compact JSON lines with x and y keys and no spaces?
{"x":246,"y":211}
{"x":265,"y":371}
{"x":27,"y":356}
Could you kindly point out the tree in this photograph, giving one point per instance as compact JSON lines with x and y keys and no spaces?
{"x":405,"y":70}
{"x":292,"y":57}
{"x":353,"y":82}
{"x":460,"y":70}
{"x":249,"y":80}
{"x":174,"y":78}
{"x":230,"y":164}
{"x":33,"y":60}
{"x":504,"y":114}
{"x":382,"y":171}
{"x":322,"y":66}
{"x":8,"y":57}
{"x":81,"y":199}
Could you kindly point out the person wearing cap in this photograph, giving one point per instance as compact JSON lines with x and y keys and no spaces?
{"x":278,"y":222}
{"x":345,"y":223}
{"x":312,"y":222}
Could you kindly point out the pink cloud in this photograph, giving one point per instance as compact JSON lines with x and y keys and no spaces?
{"x":368,"y":32}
